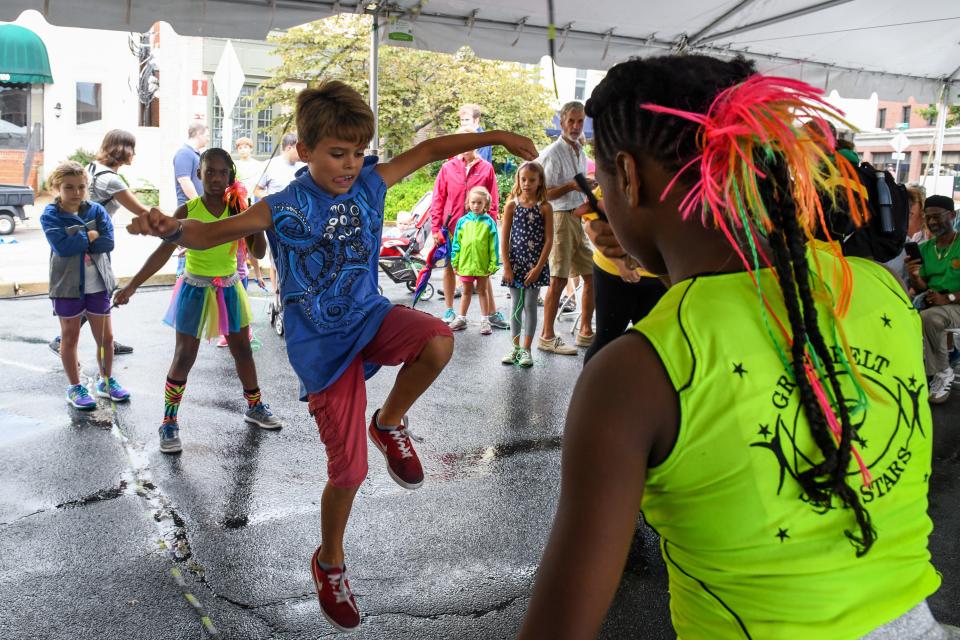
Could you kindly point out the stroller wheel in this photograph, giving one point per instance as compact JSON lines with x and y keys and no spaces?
{"x":411,"y":286}
{"x":278,"y":324}
{"x":427,"y":292}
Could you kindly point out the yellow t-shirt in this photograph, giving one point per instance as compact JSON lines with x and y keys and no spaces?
{"x":746,"y":554}
{"x":213,"y":262}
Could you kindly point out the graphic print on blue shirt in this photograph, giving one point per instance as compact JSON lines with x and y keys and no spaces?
{"x":326,"y":250}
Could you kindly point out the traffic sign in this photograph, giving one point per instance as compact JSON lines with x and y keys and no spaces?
{"x":227,"y":82}
{"x":898,"y":155}
{"x":900,"y":142}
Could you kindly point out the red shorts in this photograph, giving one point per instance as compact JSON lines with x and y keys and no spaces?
{"x":339,"y":410}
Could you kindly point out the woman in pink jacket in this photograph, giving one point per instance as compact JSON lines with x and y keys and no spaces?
{"x":458,"y":175}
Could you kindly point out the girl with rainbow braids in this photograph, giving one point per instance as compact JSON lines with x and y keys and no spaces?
{"x":208,"y":299}
{"x":769,"y":416}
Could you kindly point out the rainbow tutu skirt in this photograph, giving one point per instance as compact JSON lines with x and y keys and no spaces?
{"x":205,"y":307}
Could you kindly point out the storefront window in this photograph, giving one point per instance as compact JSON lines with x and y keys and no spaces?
{"x":89,"y":107}
{"x":14,"y":115}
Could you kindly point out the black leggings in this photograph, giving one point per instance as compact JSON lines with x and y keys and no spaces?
{"x":620,"y":304}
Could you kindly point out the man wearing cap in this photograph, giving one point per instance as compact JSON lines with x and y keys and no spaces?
{"x":937,"y":275}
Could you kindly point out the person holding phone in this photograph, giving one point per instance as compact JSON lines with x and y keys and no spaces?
{"x":570,"y":256}
{"x":935,"y":273}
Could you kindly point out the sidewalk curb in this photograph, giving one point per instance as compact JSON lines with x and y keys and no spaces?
{"x":23,"y":289}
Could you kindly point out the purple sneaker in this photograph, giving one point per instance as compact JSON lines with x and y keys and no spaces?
{"x":115,"y":392}
{"x":79,"y":397}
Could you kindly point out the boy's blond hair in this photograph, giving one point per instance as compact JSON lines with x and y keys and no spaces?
{"x":333,"y":109}
{"x":482,"y":191}
{"x":65,"y":170}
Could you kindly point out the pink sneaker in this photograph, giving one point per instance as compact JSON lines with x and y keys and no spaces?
{"x":403,"y":464}
{"x":222,"y":342}
{"x":337,"y":603}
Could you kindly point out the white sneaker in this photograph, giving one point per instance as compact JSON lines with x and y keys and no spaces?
{"x":459,"y":324}
{"x":940,"y":386}
{"x":556,"y":345}
{"x":485,"y":328}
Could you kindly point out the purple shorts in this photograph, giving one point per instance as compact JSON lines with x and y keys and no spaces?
{"x":96,"y":304}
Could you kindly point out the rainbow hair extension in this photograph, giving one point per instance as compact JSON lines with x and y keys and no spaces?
{"x":235,"y":197}
{"x":748,"y":129}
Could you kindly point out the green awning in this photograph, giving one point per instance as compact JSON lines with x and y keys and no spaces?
{"x":23,"y":56}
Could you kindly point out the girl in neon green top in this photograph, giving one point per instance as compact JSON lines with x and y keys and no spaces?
{"x":209,"y":298}
{"x":781,"y":444}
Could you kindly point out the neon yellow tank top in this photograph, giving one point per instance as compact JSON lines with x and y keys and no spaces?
{"x":215,"y":261}
{"x":746,"y":555}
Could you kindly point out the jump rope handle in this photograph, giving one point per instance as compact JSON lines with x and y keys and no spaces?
{"x":584,"y":186}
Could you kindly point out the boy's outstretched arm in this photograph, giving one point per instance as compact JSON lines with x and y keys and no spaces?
{"x":447,"y":146}
{"x":203,"y":235}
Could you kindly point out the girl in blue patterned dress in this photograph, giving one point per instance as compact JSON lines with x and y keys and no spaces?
{"x":526,"y":240}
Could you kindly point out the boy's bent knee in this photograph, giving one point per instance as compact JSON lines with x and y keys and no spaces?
{"x":438,"y":350}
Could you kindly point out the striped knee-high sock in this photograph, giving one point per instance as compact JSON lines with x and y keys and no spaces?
{"x":252,"y":397}
{"x":172,"y":394}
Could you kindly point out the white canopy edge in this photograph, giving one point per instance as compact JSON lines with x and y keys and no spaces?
{"x":525,"y":41}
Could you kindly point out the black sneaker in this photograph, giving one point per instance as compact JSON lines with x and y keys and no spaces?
{"x":55,"y":345}
{"x":121,"y":349}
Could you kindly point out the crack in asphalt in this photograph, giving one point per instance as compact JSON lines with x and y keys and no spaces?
{"x":98,"y":496}
{"x":8,"y":337}
{"x":475,"y":613}
{"x":4,"y":524}
{"x":172,"y":528}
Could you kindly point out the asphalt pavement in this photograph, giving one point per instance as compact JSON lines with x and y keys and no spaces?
{"x":102,"y":536}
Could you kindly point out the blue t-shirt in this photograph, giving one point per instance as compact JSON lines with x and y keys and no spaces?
{"x":485,"y":152}
{"x":326,"y":250}
{"x":186,"y":162}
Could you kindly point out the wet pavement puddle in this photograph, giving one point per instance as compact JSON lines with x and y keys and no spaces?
{"x":15,"y":427}
{"x":479,"y":462}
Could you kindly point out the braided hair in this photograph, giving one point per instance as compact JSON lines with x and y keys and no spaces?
{"x":637,"y":109}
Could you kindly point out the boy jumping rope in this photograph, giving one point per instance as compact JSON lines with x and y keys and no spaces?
{"x":324,"y":230}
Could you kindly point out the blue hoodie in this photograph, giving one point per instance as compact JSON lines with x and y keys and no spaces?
{"x":67,"y":235}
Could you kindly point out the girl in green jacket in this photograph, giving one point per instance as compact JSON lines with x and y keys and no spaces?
{"x":475,"y":257}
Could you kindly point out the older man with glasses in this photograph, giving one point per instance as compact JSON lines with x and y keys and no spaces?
{"x":937,"y":275}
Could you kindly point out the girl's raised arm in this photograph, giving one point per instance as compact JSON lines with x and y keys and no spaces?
{"x":194,"y":234}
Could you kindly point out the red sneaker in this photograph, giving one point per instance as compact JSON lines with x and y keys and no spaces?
{"x":402,"y":461}
{"x":336,"y":600}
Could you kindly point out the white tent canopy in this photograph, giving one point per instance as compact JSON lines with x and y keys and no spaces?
{"x":857,"y":47}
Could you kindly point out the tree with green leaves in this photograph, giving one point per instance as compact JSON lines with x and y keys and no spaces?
{"x":953,"y":114}
{"x":418,"y":90}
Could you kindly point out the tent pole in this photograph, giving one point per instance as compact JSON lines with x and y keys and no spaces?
{"x":941,"y":131}
{"x":374,"y":78}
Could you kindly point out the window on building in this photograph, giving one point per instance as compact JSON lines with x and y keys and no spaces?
{"x":14,"y":115}
{"x":247,"y":122}
{"x":885,"y":160}
{"x":89,"y":105}
{"x":905,"y":116}
{"x":264,"y":136}
{"x":580,"y":85}
{"x":881,"y":118}
{"x":949,"y":163}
